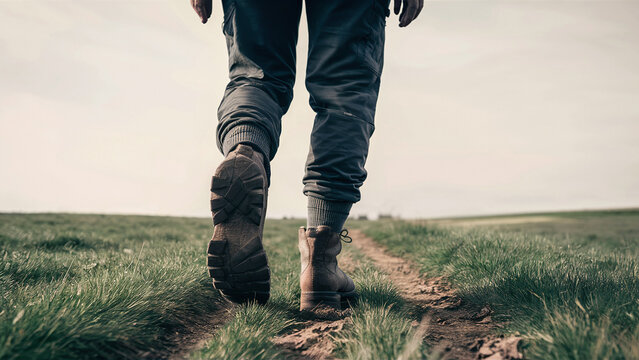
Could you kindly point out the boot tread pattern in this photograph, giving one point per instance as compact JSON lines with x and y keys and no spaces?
{"x":243,"y":193}
{"x":243,"y":276}
{"x":237,"y":192}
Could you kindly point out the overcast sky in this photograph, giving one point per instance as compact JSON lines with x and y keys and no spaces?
{"x":485,"y":107}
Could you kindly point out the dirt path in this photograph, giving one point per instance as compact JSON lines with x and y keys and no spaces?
{"x":454,"y":329}
{"x":311,"y":338}
{"x":181,"y":343}
{"x":190,"y":341}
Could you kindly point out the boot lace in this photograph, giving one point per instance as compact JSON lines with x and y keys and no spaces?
{"x":344,"y":236}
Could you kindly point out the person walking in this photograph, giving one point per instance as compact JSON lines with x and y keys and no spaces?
{"x":344,"y":66}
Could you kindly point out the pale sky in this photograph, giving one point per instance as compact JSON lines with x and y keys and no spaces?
{"x":485,"y":107}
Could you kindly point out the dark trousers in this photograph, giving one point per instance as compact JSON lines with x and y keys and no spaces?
{"x":345,"y":59}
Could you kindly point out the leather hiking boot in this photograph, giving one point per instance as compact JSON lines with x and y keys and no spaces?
{"x":322,"y":282}
{"x":235,"y":257}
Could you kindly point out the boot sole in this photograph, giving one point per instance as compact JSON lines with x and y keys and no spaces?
{"x":239,"y":268}
{"x":311,"y":300}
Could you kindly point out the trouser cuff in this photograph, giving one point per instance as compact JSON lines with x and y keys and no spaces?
{"x":326,"y":212}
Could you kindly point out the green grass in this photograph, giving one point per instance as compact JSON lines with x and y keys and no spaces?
{"x":93,"y":286}
{"x":248,"y":335}
{"x":573,"y":292}
{"x":381,"y":323}
{"x":90,"y":286}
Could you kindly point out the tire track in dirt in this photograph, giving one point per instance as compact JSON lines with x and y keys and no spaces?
{"x":453,"y":329}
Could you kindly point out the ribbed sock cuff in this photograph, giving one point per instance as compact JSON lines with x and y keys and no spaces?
{"x":252,"y":135}
{"x":329,"y":213}
{"x":247,"y":134}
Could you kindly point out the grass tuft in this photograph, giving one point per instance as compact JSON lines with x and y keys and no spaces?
{"x":248,"y":335}
{"x":381,"y":327}
{"x":377,"y":332}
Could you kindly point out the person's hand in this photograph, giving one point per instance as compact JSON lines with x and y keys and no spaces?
{"x":410,"y":10}
{"x":203,"y":8}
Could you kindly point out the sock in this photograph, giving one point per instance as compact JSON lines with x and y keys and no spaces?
{"x":329,"y":213}
{"x":247,"y":134}
{"x":251,"y":135}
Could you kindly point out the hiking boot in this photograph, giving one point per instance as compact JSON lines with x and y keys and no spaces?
{"x":322,"y":282}
{"x":235,"y":257}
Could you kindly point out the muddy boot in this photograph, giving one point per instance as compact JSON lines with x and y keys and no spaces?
{"x":235,"y":258}
{"x":322,"y":282}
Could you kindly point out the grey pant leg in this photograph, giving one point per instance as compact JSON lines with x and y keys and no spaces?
{"x":346,"y":51}
{"x":261,"y":37}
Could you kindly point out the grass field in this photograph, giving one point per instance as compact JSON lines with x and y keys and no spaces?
{"x":94,"y":286}
{"x":569,"y":282}
{"x":78,"y":286}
